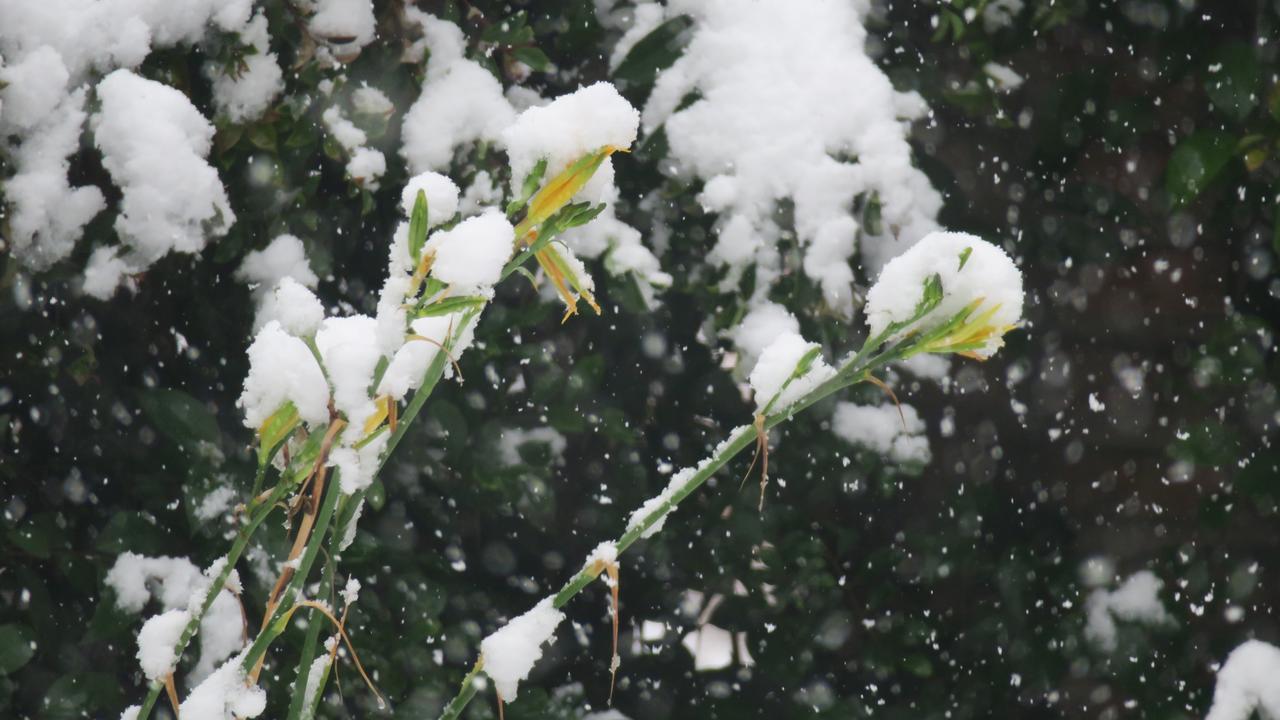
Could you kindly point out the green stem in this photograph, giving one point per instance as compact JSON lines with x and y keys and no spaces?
{"x":855,"y":370}
{"x":284,"y":606}
{"x":309,"y":645}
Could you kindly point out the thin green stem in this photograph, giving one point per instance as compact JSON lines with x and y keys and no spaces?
{"x":856,"y":369}
{"x":309,"y":646}
{"x":284,"y":606}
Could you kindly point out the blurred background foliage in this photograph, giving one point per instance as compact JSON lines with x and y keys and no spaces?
{"x":1130,"y":424}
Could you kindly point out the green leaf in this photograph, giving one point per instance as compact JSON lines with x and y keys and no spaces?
{"x":418,"y":226}
{"x":178,"y":415}
{"x":1232,"y":80}
{"x":654,"y":52}
{"x":1195,"y":162}
{"x":932,"y":293}
{"x":964,"y":257}
{"x":449,"y":305}
{"x":871,"y":215}
{"x":36,"y":535}
{"x":533,"y":57}
{"x":533,"y":179}
{"x":16,"y":647}
{"x":263,"y":136}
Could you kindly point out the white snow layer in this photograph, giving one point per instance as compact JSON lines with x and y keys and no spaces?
{"x":181,"y":589}
{"x":1247,"y":682}
{"x":264,"y":270}
{"x":899,"y":436}
{"x":461,"y":102}
{"x":790,"y":107}
{"x":441,"y":194}
{"x":154,"y":143}
{"x":470,"y":255}
{"x":52,"y":49}
{"x":970,"y":269}
{"x":364,"y":164}
{"x":1137,"y":600}
{"x":344,"y":22}
{"x":568,"y":128}
{"x":282,"y":368}
{"x":157,"y":640}
{"x":510,"y":652}
{"x":224,"y":696}
{"x":772,"y":378}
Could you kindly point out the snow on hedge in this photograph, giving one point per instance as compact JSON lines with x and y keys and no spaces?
{"x":154,"y":143}
{"x":895,"y":431}
{"x":461,"y":102}
{"x":1137,"y":600}
{"x":790,"y":107}
{"x":180,"y":587}
{"x":1247,"y":682}
{"x":53,"y":50}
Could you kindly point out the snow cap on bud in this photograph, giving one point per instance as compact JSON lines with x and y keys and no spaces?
{"x":441,"y":195}
{"x":953,"y":291}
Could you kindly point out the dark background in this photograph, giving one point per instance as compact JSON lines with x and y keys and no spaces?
{"x":1135,"y":187}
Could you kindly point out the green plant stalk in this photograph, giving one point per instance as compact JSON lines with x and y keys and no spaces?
{"x":284,"y":607}
{"x":309,"y":644}
{"x":853,"y":371}
{"x":237,"y":549}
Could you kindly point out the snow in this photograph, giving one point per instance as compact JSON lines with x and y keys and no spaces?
{"x":131,"y":712}
{"x":605,"y":554}
{"x":469,"y":257}
{"x":224,"y":696}
{"x":51,"y":50}
{"x":777,"y":364}
{"x":154,"y":143}
{"x":407,"y":367}
{"x":786,"y":93}
{"x":357,"y":467}
{"x":881,"y":429}
{"x":371,"y":101}
{"x":350,"y":350}
{"x":364,"y":164}
{"x":157,"y":641}
{"x":642,"y":19}
{"x":1247,"y":682}
{"x":46,"y":214}
{"x":461,"y":102}
{"x":284,"y":257}
{"x":442,"y":197}
{"x":245,"y":95}
{"x":1137,"y":600}
{"x":282,"y":368}
{"x":296,"y":308}
{"x":131,"y":574}
{"x":1003,"y":78}
{"x":344,"y":22}
{"x":652,"y":504}
{"x":711,"y":648}
{"x":568,"y":128}
{"x":988,"y":274}
{"x":510,"y":652}
{"x":765,"y":322}
{"x":512,"y":439}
